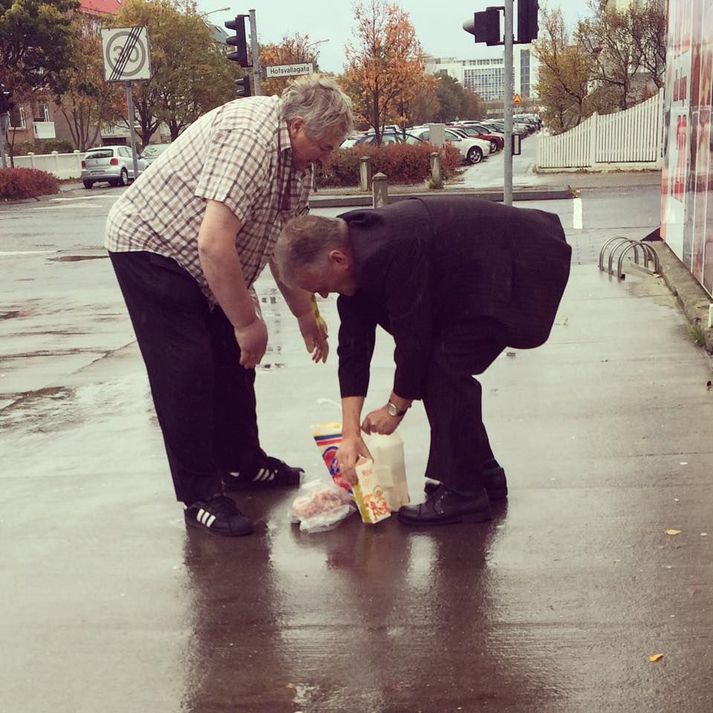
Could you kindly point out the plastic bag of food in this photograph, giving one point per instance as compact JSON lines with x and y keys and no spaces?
{"x":328,"y":437}
{"x":321,"y":507}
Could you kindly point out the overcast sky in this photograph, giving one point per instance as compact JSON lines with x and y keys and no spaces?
{"x":438,"y":24}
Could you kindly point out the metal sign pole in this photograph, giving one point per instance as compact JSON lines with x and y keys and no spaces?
{"x":132,"y":136}
{"x":507,"y":102}
{"x":255,"y":54}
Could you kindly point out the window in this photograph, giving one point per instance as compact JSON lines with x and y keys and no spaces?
{"x":17,"y":118}
{"x":100,"y":153}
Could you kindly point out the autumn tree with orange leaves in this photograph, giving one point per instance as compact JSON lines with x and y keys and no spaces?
{"x":384,"y":64}
{"x":295,"y":49}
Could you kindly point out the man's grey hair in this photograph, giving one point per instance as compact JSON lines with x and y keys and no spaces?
{"x":321,"y":103}
{"x":305,"y":242}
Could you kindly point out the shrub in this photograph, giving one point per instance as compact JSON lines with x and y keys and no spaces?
{"x":43,"y":146}
{"x":18,"y":183}
{"x":402,"y":163}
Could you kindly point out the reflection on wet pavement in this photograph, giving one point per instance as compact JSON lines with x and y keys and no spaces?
{"x":111,"y":605}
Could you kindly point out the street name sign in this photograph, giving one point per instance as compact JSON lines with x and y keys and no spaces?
{"x":126,"y":54}
{"x":288,"y":70}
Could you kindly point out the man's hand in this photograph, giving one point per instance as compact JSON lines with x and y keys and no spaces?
{"x":252,"y":340}
{"x":380,"y":421}
{"x":348,"y":453}
{"x":314,"y":332}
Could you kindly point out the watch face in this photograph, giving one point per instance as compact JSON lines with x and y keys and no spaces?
{"x":393,"y":411}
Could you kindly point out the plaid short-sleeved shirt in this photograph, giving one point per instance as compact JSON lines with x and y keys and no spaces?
{"x":238,"y":154}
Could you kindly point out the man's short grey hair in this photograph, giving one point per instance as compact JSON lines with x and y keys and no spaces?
{"x":305,"y":242}
{"x":321,"y":103}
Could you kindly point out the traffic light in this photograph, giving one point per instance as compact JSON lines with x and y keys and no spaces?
{"x":527,"y":11}
{"x":239,"y":41}
{"x":242,"y":86}
{"x":6,"y":103}
{"x":485,"y":26}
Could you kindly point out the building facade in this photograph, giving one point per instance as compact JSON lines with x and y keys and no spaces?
{"x":486,"y":75}
{"x":40,"y":118}
{"x":687,"y":178}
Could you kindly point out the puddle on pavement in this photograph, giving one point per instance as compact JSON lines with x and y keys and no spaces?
{"x":77,"y":258}
{"x":41,"y":411}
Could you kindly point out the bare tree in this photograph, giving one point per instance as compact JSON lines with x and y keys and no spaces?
{"x":649,"y":36}
{"x":565,"y":73}
{"x":628,"y":47}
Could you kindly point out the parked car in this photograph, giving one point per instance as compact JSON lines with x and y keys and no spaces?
{"x":472,"y":150}
{"x":390,"y":137}
{"x":478,"y":126}
{"x":152,"y":152}
{"x":517,"y":128}
{"x":349,"y":142}
{"x":496,"y":142}
{"x":109,"y":164}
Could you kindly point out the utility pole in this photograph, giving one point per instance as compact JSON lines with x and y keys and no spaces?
{"x":4,"y":122}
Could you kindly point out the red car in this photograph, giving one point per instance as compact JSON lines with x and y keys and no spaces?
{"x":496,"y":142}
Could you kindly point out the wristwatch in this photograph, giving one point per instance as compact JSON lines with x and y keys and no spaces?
{"x":393,"y":409}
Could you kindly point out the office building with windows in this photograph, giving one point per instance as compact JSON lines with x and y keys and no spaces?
{"x":485,"y":76}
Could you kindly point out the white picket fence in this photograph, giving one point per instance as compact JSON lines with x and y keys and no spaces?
{"x":627,"y":139}
{"x":62,"y":165}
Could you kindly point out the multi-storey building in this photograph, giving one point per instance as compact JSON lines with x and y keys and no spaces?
{"x":39,"y":118}
{"x":485,"y":76}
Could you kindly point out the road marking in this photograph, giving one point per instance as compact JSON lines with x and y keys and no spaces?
{"x":60,"y":207}
{"x":82,"y":198}
{"x":577,"y":217}
{"x":4,"y":253}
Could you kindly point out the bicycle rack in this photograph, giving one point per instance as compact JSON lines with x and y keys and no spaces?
{"x":619,"y":247}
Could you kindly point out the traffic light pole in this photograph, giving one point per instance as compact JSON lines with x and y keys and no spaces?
{"x":485,"y":27}
{"x":254,"y":53}
{"x":508,"y":93}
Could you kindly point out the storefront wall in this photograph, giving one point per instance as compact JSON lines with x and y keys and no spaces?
{"x":687,"y":180}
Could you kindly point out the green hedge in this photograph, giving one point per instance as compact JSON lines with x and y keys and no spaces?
{"x":42,"y":146}
{"x":402,"y":163}
{"x":16,"y":183}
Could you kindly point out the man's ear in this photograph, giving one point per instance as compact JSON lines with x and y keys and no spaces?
{"x":338,"y":258}
{"x":295,"y":125}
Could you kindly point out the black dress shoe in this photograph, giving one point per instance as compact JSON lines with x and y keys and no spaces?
{"x":444,"y":507}
{"x":495,"y":483}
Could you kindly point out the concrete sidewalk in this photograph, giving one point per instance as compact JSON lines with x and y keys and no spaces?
{"x":601,"y":558}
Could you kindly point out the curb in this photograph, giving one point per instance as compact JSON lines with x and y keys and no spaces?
{"x":366,"y":200}
{"x":690,"y":295}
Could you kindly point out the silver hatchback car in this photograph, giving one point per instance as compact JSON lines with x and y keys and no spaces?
{"x":111,"y":164}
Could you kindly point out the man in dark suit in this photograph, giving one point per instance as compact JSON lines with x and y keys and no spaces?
{"x":454,"y":280}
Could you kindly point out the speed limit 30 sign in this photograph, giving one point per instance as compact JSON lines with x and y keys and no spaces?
{"x":126,"y":54}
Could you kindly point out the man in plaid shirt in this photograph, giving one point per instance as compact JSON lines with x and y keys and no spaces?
{"x":187,"y":241}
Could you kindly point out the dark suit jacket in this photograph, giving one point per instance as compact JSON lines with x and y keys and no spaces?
{"x":427,"y":264}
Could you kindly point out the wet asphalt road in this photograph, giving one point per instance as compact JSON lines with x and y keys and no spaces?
{"x":110,"y":604}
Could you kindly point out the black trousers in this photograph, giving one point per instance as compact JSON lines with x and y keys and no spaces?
{"x":204,"y":399}
{"x":453,"y":401}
